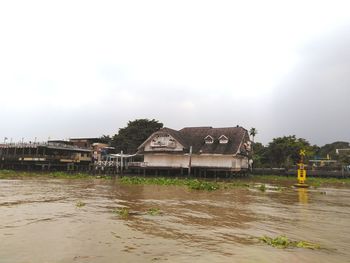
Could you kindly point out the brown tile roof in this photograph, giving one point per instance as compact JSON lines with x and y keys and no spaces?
{"x":194,"y":136}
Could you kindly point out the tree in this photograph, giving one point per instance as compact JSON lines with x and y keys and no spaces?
{"x":134,"y":134}
{"x":260,"y":156}
{"x":253,"y":132}
{"x":284,"y":151}
{"x":330,"y":149}
{"x":344,"y":158}
{"x":106,"y":139}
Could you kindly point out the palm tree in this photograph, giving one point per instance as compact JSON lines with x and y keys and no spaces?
{"x":253,"y":132}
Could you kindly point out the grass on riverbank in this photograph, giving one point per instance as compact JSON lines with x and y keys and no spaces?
{"x":191,"y":183}
{"x":10,"y":174}
{"x":313,"y":181}
{"x":247,"y":182}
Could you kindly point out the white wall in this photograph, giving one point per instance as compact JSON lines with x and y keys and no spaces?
{"x":166,"y":160}
{"x":224,"y":161}
{"x":178,"y":161}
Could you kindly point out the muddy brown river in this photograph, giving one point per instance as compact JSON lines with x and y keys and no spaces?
{"x":60,"y":220}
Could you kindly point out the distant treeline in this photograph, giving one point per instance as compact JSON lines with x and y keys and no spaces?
{"x":284,"y":151}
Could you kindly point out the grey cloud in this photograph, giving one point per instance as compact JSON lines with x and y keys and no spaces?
{"x":311,"y":102}
{"x":314,"y":101}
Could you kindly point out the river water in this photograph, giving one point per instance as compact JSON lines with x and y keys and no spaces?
{"x":40,"y":221}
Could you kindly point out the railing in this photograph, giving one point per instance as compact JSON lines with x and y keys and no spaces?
{"x":137,"y":164}
{"x":40,"y":144}
{"x":106,"y":164}
{"x":20,"y":157}
{"x":293,"y":172}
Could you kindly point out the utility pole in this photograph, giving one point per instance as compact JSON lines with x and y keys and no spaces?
{"x":22,"y":148}
{"x":7,"y":147}
{"x":121,"y":162}
{"x":190,"y":162}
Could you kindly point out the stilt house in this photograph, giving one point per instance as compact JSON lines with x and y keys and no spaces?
{"x":222,"y":149}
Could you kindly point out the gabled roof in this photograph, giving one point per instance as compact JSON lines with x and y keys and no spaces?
{"x":163,"y":131}
{"x":194,"y":136}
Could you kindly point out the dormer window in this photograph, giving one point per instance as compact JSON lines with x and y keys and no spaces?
{"x":223,"y":139}
{"x":208,"y":140}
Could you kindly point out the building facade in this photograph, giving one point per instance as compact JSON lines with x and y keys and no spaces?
{"x":222,"y":149}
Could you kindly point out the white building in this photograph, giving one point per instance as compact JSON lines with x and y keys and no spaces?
{"x":222,"y":149}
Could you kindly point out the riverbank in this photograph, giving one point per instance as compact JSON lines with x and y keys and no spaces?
{"x":191,"y":183}
{"x":312,"y":181}
{"x":11,"y":174}
{"x":258,"y":182}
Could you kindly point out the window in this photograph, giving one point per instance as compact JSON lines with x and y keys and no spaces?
{"x":223,"y":139}
{"x":208,"y":140}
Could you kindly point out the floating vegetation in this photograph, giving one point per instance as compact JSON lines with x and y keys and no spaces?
{"x":151,"y":180}
{"x":153,"y":212}
{"x":202,"y":185}
{"x":285,"y":242}
{"x":262,"y":187}
{"x":279,"y":189}
{"x":193,"y":184}
{"x":236,"y":184}
{"x":80,"y":204}
{"x":122,"y":212}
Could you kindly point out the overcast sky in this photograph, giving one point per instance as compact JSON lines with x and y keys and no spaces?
{"x":84,"y":68}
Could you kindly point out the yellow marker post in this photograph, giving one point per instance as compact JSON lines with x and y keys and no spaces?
{"x":301,"y":171}
{"x":301,"y":174}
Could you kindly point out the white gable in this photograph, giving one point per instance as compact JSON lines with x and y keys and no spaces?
{"x":223,"y":139}
{"x":208,"y":139}
{"x":163,"y":142}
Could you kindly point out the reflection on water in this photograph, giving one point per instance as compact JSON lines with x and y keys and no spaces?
{"x":40,"y":222}
{"x":303,"y":195}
